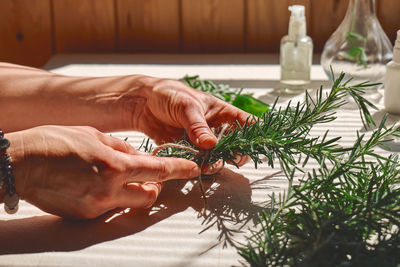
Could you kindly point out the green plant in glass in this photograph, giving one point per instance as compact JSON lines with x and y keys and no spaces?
{"x":357,"y":42}
{"x":359,"y":46}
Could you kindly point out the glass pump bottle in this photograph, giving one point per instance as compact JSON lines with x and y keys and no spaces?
{"x":392,"y":81}
{"x":296,"y":52}
{"x":359,"y":47}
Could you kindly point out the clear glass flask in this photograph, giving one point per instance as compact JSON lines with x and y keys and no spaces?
{"x":359,"y":47}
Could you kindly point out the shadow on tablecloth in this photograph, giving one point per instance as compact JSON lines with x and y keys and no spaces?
{"x":229,"y":204}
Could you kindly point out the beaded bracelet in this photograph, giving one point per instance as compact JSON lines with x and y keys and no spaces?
{"x":11,"y":198}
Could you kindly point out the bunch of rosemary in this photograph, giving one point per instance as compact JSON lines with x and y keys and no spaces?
{"x":345,"y":213}
{"x":282,"y":133}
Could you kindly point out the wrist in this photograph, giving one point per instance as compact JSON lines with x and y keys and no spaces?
{"x":105,"y":103}
{"x":134,"y":98}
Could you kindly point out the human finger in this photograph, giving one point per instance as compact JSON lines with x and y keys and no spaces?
{"x":194,"y":122}
{"x":209,"y":169}
{"x":117,"y":144}
{"x":239,"y":160}
{"x":141,"y":168}
{"x":120,"y":145}
{"x":138,"y":195}
{"x":223,"y":113}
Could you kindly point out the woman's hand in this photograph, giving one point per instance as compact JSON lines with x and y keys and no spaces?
{"x":172,"y":108}
{"x":78,"y":172}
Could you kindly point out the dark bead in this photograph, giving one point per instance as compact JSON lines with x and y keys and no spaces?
{"x":11,"y":203}
{"x":11,"y":190}
{"x":9,"y":180}
{"x":9,"y":171}
{"x":4,"y":144}
{"x":1,"y":134}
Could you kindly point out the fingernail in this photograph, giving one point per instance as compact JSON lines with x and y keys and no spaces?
{"x":152,"y":186}
{"x":207,"y":141}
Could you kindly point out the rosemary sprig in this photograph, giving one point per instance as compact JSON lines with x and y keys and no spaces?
{"x":345,"y":215}
{"x":283,"y":133}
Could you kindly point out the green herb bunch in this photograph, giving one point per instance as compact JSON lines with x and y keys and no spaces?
{"x":344,"y":215}
{"x":283,"y":133}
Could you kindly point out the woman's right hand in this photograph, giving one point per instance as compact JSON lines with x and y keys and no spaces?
{"x":79,"y":172}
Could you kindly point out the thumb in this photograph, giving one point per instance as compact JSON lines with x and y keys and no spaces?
{"x":198,"y":130}
{"x":140,"y":168}
{"x":201,"y":135}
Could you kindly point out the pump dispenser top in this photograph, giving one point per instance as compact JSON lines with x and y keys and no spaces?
{"x":297,"y":23}
{"x":298,"y":12}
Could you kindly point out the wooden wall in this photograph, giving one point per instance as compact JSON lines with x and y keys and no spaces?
{"x":32,"y":30}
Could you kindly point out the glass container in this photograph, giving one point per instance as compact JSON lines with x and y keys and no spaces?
{"x":296,"y":53}
{"x":359,"y":47}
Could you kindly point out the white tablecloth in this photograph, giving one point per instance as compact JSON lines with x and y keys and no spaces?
{"x":170,"y":234}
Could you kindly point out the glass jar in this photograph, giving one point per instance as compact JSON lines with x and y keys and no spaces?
{"x":359,"y":47}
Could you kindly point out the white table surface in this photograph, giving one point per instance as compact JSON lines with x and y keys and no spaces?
{"x":170,"y":234}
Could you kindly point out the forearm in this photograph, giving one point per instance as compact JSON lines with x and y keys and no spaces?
{"x":30,"y":97}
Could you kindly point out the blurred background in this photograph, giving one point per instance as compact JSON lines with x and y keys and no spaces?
{"x":31,"y":31}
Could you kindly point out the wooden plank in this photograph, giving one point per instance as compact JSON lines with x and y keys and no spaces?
{"x":268,"y":22}
{"x":25,"y":32}
{"x":148,"y":26}
{"x":213,"y":25}
{"x":388,"y":14}
{"x":325,"y":18}
{"x":84,"y":26}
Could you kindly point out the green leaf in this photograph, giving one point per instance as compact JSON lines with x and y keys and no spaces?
{"x":353,"y":36}
{"x":250,"y":104}
{"x":357,"y":51}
